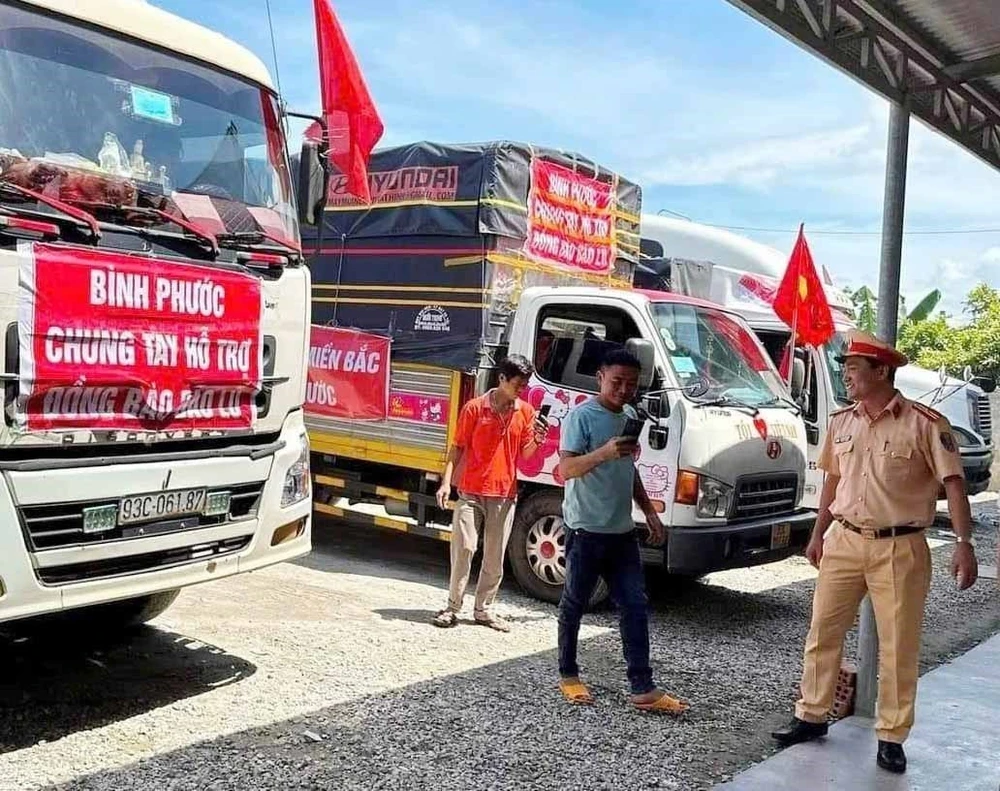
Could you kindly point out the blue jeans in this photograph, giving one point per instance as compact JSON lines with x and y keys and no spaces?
{"x":614,"y":556}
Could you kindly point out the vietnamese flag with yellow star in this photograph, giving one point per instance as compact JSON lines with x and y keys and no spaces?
{"x":800,"y":300}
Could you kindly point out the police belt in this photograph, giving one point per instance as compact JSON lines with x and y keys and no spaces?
{"x":880,"y":532}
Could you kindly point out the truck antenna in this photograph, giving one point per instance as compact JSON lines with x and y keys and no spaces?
{"x":274,"y":51}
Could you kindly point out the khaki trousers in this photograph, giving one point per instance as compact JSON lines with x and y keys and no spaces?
{"x":896,"y":573}
{"x":497,"y":516}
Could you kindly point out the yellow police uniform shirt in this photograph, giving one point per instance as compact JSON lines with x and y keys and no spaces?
{"x":890,"y":466}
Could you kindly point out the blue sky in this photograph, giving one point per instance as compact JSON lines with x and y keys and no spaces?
{"x":717,"y":117}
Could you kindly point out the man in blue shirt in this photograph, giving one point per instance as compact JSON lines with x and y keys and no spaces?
{"x":596,"y":461}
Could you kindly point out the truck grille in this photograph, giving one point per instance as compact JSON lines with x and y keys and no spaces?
{"x":134,"y":564}
{"x":59,"y":525}
{"x":765,"y":496}
{"x":984,"y":418}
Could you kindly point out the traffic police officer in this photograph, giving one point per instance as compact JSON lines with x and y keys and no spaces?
{"x":885,"y":459}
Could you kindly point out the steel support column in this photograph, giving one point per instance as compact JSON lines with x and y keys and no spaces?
{"x":888,"y":313}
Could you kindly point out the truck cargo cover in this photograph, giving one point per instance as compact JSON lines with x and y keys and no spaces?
{"x":444,"y":235}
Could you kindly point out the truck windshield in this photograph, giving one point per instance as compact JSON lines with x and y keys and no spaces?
{"x":715,"y":348}
{"x":831,"y":349}
{"x":102,"y":122}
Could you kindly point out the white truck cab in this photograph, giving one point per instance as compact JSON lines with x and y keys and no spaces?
{"x":130,"y":136}
{"x":722,"y":455}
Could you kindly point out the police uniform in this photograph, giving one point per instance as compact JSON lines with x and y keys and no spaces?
{"x":890,"y":466}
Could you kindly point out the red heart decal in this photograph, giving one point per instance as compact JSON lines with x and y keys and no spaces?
{"x":761,"y":425}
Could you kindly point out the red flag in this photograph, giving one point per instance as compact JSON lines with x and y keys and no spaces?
{"x":800,"y":300}
{"x":353,"y":123}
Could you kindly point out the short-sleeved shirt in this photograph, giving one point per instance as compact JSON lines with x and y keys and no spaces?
{"x":890,"y":466}
{"x":601,"y":500}
{"x":491,"y":444}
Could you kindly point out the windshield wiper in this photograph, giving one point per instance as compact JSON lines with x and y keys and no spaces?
{"x":252,"y":239}
{"x":783,"y":400}
{"x":729,"y":401}
{"x":70,"y":211}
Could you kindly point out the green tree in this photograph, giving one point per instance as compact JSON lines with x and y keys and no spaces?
{"x":933,"y":342}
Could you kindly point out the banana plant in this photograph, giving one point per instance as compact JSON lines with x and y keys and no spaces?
{"x":866,"y":307}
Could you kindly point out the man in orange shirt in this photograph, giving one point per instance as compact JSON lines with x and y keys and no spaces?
{"x":493,"y":431}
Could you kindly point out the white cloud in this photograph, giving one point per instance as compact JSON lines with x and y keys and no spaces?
{"x":782,"y":139}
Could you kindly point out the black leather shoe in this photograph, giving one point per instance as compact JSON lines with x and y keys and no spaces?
{"x":891,"y":757}
{"x":798,"y":731}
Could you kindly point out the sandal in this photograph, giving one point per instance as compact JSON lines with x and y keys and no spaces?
{"x":492,"y":621}
{"x":664,"y":704}
{"x":575,"y":691}
{"x":445,"y":619}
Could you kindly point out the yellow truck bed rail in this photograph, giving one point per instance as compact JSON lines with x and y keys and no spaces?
{"x":423,"y":414}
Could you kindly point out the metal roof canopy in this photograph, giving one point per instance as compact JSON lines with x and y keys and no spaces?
{"x":938,"y":58}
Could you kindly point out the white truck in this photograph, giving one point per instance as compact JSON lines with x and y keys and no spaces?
{"x":743,"y":274}
{"x":154,"y":311}
{"x":441,"y":269}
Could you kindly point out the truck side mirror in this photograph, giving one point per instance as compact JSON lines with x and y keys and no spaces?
{"x":985,"y":383}
{"x":656,"y":405}
{"x":644,"y":352}
{"x":798,"y":378}
{"x":311,"y":191}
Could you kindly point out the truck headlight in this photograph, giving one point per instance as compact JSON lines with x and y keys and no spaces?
{"x":963,"y":438}
{"x":710,"y":497}
{"x":714,"y":498}
{"x":296,"y":488}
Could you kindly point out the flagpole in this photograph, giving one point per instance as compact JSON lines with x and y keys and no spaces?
{"x":791,"y":351}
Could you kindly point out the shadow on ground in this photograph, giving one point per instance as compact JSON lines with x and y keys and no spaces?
{"x":56,"y":686}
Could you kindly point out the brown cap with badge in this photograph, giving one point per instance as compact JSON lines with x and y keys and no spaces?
{"x":861,"y":344}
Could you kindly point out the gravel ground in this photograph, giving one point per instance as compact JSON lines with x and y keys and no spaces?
{"x":325,"y":674}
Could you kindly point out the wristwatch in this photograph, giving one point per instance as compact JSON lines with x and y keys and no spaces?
{"x":962,"y":540}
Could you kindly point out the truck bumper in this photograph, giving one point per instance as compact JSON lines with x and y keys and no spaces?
{"x":83,"y":571}
{"x":699,"y":550}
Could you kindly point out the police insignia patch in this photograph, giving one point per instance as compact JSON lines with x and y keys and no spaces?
{"x":948,"y":441}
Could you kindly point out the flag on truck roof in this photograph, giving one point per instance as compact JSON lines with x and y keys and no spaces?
{"x":353,"y":125}
{"x":801,"y":300}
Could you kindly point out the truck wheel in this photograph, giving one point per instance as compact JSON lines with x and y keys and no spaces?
{"x":537,"y":549}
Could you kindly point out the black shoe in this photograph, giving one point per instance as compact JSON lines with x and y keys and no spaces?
{"x":798,"y":731}
{"x":891,"y":757}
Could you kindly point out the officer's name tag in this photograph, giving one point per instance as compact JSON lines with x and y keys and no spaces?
{"x":841,"y":440}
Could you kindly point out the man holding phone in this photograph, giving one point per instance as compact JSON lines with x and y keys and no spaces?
{"x":493,"y":431}
{"x":598,"y":442}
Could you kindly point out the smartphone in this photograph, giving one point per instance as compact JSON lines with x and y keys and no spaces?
{"x":633,"y":428}
{"x":543,"y":414}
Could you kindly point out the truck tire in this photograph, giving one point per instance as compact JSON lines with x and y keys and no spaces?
{"x":537,"y":548}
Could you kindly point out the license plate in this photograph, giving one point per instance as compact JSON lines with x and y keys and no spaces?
{"x":162,"y":505}
{"x":781,"y":535}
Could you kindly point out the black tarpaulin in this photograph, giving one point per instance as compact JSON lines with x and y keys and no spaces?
{"x":418,"y":263}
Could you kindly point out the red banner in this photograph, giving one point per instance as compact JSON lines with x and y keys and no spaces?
{"x":418,"y":408}
{"x":571,"y":220}
{"x":116,"y":341}
{"x":348,"y":374}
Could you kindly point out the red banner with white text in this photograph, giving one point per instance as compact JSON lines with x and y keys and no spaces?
{"x":571,"y":220}
{"x":348,"y":374}
{"x":116,"y":341}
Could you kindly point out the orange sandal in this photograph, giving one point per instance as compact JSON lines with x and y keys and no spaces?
{"x":664,"y":704}
{"x":575,"y":691}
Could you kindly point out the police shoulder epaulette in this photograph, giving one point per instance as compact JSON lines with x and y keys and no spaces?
{"x":926,"y":411}
{"x":842,"y":411}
